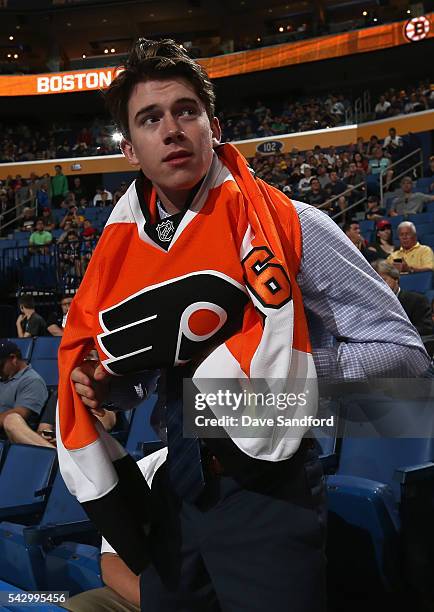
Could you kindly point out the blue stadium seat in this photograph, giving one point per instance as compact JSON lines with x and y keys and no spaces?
{"x":18,"y":235}
{"x":423,"y":184}
{"x":57,"y":233}
{"x":423,"y":229}
{"x":25,"y":345}
{"x":17,"y":607}
{"x":48,"y":369}
{"x":428,"y":240}
{"x":395,"y":221}
{"x":420,"y":218}
{"x":142,"y":437}
{"x":27,"y":555}
{"x":7,"y":243}
{"x":366,"y":226}
{"x":27,"y":499}
{"x":44,"y":359}
{"x":382,"y":491}
{"x":46,"y":347}
{"x":419,"y":281}
{"x":429,"y":207}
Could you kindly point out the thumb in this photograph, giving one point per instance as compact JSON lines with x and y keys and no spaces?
{"x":101,"y":374}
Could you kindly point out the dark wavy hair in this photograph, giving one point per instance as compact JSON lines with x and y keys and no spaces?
{"x":161,"y":59}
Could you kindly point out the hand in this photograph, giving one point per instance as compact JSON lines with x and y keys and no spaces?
{"x":404,"y":267}
{"x":20,"y":318}
{"x":92,"y":384}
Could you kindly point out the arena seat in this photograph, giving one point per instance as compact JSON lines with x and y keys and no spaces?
{"x":46,"y":347}
{"x":421,"y":218}
{"x":429,"y":206}
{"x":24,"y":550}
{"x":7,"y":243}
{"x":44,"y":359}
{"x":395,"y":221}
{"x":383,"y":488}
{"x":25,"y":345}
{"x":423,"y":229}
{"x":428,"y":240}
{"x":430,"y":294}
{"x":366,"y":226}
{"x":27,"y":500}
{"x":419,"y":281}
{"x":423,"y":184}
{"x":142,"y":438}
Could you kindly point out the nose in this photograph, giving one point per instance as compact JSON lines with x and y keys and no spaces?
{"x":172,"y":130}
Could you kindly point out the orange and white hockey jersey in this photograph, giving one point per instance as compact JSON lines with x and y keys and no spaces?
{"x":219,"y":287}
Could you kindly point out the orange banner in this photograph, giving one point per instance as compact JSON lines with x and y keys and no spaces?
{"x":311,"y":50}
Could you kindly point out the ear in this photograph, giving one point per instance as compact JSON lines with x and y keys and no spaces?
{"x":128,"y":150}
{"x":216,"y":132}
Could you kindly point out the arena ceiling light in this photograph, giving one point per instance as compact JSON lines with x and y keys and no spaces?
{"x":11,"y":37}
{"x":112,"y":50}
{"x":117,"y":137}
{"x":106,"y":51}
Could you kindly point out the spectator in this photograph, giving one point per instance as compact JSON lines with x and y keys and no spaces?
{"x":28,"y":219}
{"x":56,"y":321}
{"x":416,"y":305}
{"x":19,"y":431}
{"x":73,"y":217}
{"x":69,"y":255}
{"x":40,"y":239}
{"x":393,"y":144}
{"x":98,"y":196}
{"x":335,"y":187}
{"x":407,"y":202}
{"x":304,"y":183}
{"x":78,"y":190}
{"x":322,"y":175}
{"x":48,"y":219}
{"x":59,"y":187}
{"x":23,"y":392}
{"x":29,"y":322}
{"x":42,"y":196}
{"x":411,"y":256}
{"x":316,"y":196}
{"x":382,"y":108}
{"x":120,"y":192}
{"x":374,"y":211}
{"x":378,"y":163}
{"x":354,"y":176}
{"x":383,"y":244}
{"x":352,"y":230}
{"x":429,"y":171}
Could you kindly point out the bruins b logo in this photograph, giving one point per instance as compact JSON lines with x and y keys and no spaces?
{"x":170,"y":323}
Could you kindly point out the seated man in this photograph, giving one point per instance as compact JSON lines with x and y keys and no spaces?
{"x":416,"y":305}
{"x":23,"y":392}
{"x":408,"y":202}
{"x":122,"y":590}
{"x":411,"y":256}
{"x":29,"y":323}
{"x":19,"y":432}
{"x":56,"y":321}
{"x":40,"y":239}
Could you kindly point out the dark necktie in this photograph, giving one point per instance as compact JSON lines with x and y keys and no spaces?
{"x":184,"y":457}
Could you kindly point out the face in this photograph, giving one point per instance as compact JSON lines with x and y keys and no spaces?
{"x":384,"y":233}
{"x":8,"y":367}
{"x":39,"y":226}
{"x":354,"y":232}
{"x":171,"y":136}
{"x":65,"y":304}
{"x":407,"y":237}
{"x":407,"y":186}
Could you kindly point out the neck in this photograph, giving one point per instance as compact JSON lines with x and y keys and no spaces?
{"x":177,"y":201}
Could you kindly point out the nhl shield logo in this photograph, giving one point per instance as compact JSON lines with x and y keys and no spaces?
{"x":165,"y":230}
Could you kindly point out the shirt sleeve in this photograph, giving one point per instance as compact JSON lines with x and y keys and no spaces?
{"x":427,"y":258}
{"x":358,"y":327}
{"x":32,"y":394}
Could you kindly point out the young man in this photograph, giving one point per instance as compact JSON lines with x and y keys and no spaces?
{"x":29,"y":322}
{"x":201,"y":270}
{"x":56,"y":322}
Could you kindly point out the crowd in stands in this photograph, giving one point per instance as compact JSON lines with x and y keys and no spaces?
{"x":18,"y":142}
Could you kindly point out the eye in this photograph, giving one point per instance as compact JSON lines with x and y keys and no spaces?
{"x":149,"y":119}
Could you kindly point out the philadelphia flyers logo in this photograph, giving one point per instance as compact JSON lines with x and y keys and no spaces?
{"x":172,"y":322}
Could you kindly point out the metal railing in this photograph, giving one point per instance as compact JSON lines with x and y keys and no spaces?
{"x":18,"y":208}
{"x":58,"y":266}
{"x":360,"y":187}
{"x":417,"y":153}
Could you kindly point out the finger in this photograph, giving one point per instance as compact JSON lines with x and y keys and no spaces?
{"x":101,"y":374}
{"x":98,"y":412}
{"x":78,"y":376}
{"x":92,"y":404}
{"x":85,"y":391}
